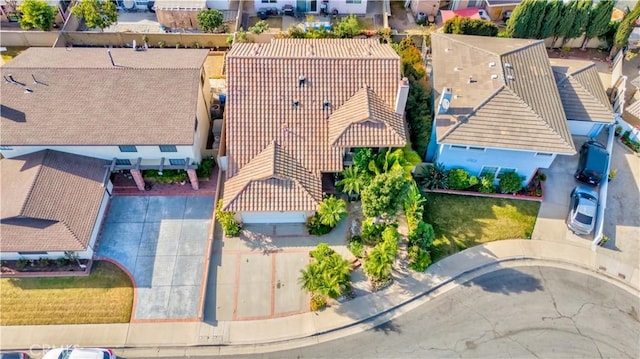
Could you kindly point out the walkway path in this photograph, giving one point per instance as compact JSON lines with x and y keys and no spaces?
{"x":408,"y":291}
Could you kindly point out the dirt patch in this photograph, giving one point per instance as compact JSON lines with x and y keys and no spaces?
{"x":275,"y":23}
{"x":214,"y":64}
{"x":577,"y":54}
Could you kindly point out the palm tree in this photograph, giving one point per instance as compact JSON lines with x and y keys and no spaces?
{"x":310,"y":278}
{"x":353,"y":181}
{"x":331,"y":210}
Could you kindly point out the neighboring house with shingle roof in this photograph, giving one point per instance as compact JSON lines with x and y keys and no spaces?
{"x":121,"y":105}
{"x":295,"y":107}
{"x":51,"y":202}
{"x":583,"y":96}
{"x":509,"y":109}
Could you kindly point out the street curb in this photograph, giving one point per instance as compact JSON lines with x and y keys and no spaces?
{"x":384,"y":315}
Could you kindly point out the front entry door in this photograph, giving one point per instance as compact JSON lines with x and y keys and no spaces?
{"x":314,"y":6}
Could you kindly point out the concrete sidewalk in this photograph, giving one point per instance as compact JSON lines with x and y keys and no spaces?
{"x":408,"y":291}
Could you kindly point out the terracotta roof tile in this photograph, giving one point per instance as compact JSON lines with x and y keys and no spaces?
{"x":267,"y":101}
{"x":276,"y":178}
{"x":366,"y":121}
{"x":50,"y":201}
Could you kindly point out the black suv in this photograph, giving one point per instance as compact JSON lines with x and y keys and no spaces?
{"x":593,"y":163}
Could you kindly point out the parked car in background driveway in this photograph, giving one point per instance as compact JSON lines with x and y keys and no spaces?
{"x":79,"y":353}
{"x":583,"y":207}
{"x":14,"y":355}
{"x":593,"y":163}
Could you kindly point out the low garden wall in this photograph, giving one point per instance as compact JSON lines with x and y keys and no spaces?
{"x":23,"y":38}
{"x":122,"y":39}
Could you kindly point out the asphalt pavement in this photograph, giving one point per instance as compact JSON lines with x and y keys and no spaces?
{"x":522,"y":312}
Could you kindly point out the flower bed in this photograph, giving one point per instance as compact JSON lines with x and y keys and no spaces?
{"x":44,"y":267}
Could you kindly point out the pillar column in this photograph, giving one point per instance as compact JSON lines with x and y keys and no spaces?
{"x":193,"y":178}
{"x":137,"y":177}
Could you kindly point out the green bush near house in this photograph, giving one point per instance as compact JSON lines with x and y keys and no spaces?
{"x":510,"y":182}
{"x":167,"y":176}
{"x":328,"y":275}
{"x":230,"y":226}
{"x":315,"y":226}
{"x":458,"y":179}
{"x":205,"y":167}
{"x":486,"y":184}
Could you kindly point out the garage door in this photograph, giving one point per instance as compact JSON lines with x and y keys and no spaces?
{"x":273,"y":217}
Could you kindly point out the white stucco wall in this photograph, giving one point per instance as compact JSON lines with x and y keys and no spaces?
{"x":150,"y":154}
{"x":346,"y":9}
{"x":525,"y":163}
{"x":218,"y":4}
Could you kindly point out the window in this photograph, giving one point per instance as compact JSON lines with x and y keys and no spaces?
{"x":481,"y":149}
{"x":456,"y":147}
{"x":120,"y":162}
{"x":128,"y":149}
{"x":544,"y":154}
{"x":489,"y":171}
{"x":6,"y":148}
{"x":33,"y":253}
{"x":269,"y":1}
{"x":196,"y":126}
{"x":354,"y":1}
{"x":168,"y":148}
{"x":505,"y":170}
{"x":179,"y":162}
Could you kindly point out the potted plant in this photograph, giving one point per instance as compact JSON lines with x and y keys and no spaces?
{"x":612,"y":174}
{"x":618,"y":131}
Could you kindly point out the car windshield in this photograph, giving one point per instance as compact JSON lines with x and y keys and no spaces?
{"x":583,"y":218}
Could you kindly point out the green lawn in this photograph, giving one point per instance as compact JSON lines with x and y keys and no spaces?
{"x":12,"y":51}
{"x":105,"y":296}
{"x":461,"y":222}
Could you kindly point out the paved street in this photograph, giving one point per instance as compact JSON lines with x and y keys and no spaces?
{"x":162,"y":242}
{"x":522,"y":312}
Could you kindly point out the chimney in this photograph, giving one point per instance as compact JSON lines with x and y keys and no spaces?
{"x":401,"y":97}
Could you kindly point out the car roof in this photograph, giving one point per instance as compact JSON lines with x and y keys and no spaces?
{"x":86,"y":353}
{"x":587,"y":207}
{"x":586,"y":190}
{"x":11,"y":355}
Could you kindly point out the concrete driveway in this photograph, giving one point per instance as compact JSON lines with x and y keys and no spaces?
{"x":622,"y":218}
{"x":162,"y":241}
{"x":255,"y":276}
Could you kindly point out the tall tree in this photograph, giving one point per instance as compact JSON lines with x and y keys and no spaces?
{"x":580,"y":20}
{"x":624,"y":30}
{"x":96,"y":13}
{"x":386,"y":193}
{"x":521,"y":22}
{"x":36,"y":14}
{"x":331,"y":211}
{"x":565,"y":27}
{"x":552,"y":18}
{"x":467,"y":26}
{"x":537,"y":13}
{"x":598,"y":21}
{"x":210,"y":19}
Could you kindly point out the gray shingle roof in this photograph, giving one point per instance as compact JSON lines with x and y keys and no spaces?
{"x":50,"y":201}
{"x":263,"y":83}
{"x":581,"y":91}
{"x":149,"y":97}
{"x":503,"y":91}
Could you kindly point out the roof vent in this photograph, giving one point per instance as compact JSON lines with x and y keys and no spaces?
{"x":302,"y":80}
{"x":494,"y":76}
{"x":508,"y":65}
{"x":457,"y":68}
{"x":471,"y":80}
{"x":325,"y":105}
{"x":446,"y":49}
{"x":28,"y":90}
{"x":509,"y":77}
{"x":492,"y":64}
{"x":296,"y":103}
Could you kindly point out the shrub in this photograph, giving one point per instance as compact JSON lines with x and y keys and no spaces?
{"x":328,"y":275}
{"x":322,"y":251}
{"x":62,"y":261}
{"x":423,"y":236}
{"x":22,"y":263}
{"x":419,"y":259}
{"x":435,"y":176}
{"x":458,"y":179}
{"x":318,"y":302}
{"x":230,"y":226}
{"x":473,"y":180}
{"x":385,"y":195}
{"x":167,"y":176}
{"x":414,"y":206}
{"x":204,"y":168}
{"x":315,"y":226}
{"x":331,"y":211}
{"x":486,"y":184}
{"x":510,"y":182}
{"x":356,"y":247}
{"x":260,"y":27}
{"x":44,"y":262}
{"x":361,"y":158}
{"x":379,"y":262}
{"x":372,"y":232}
